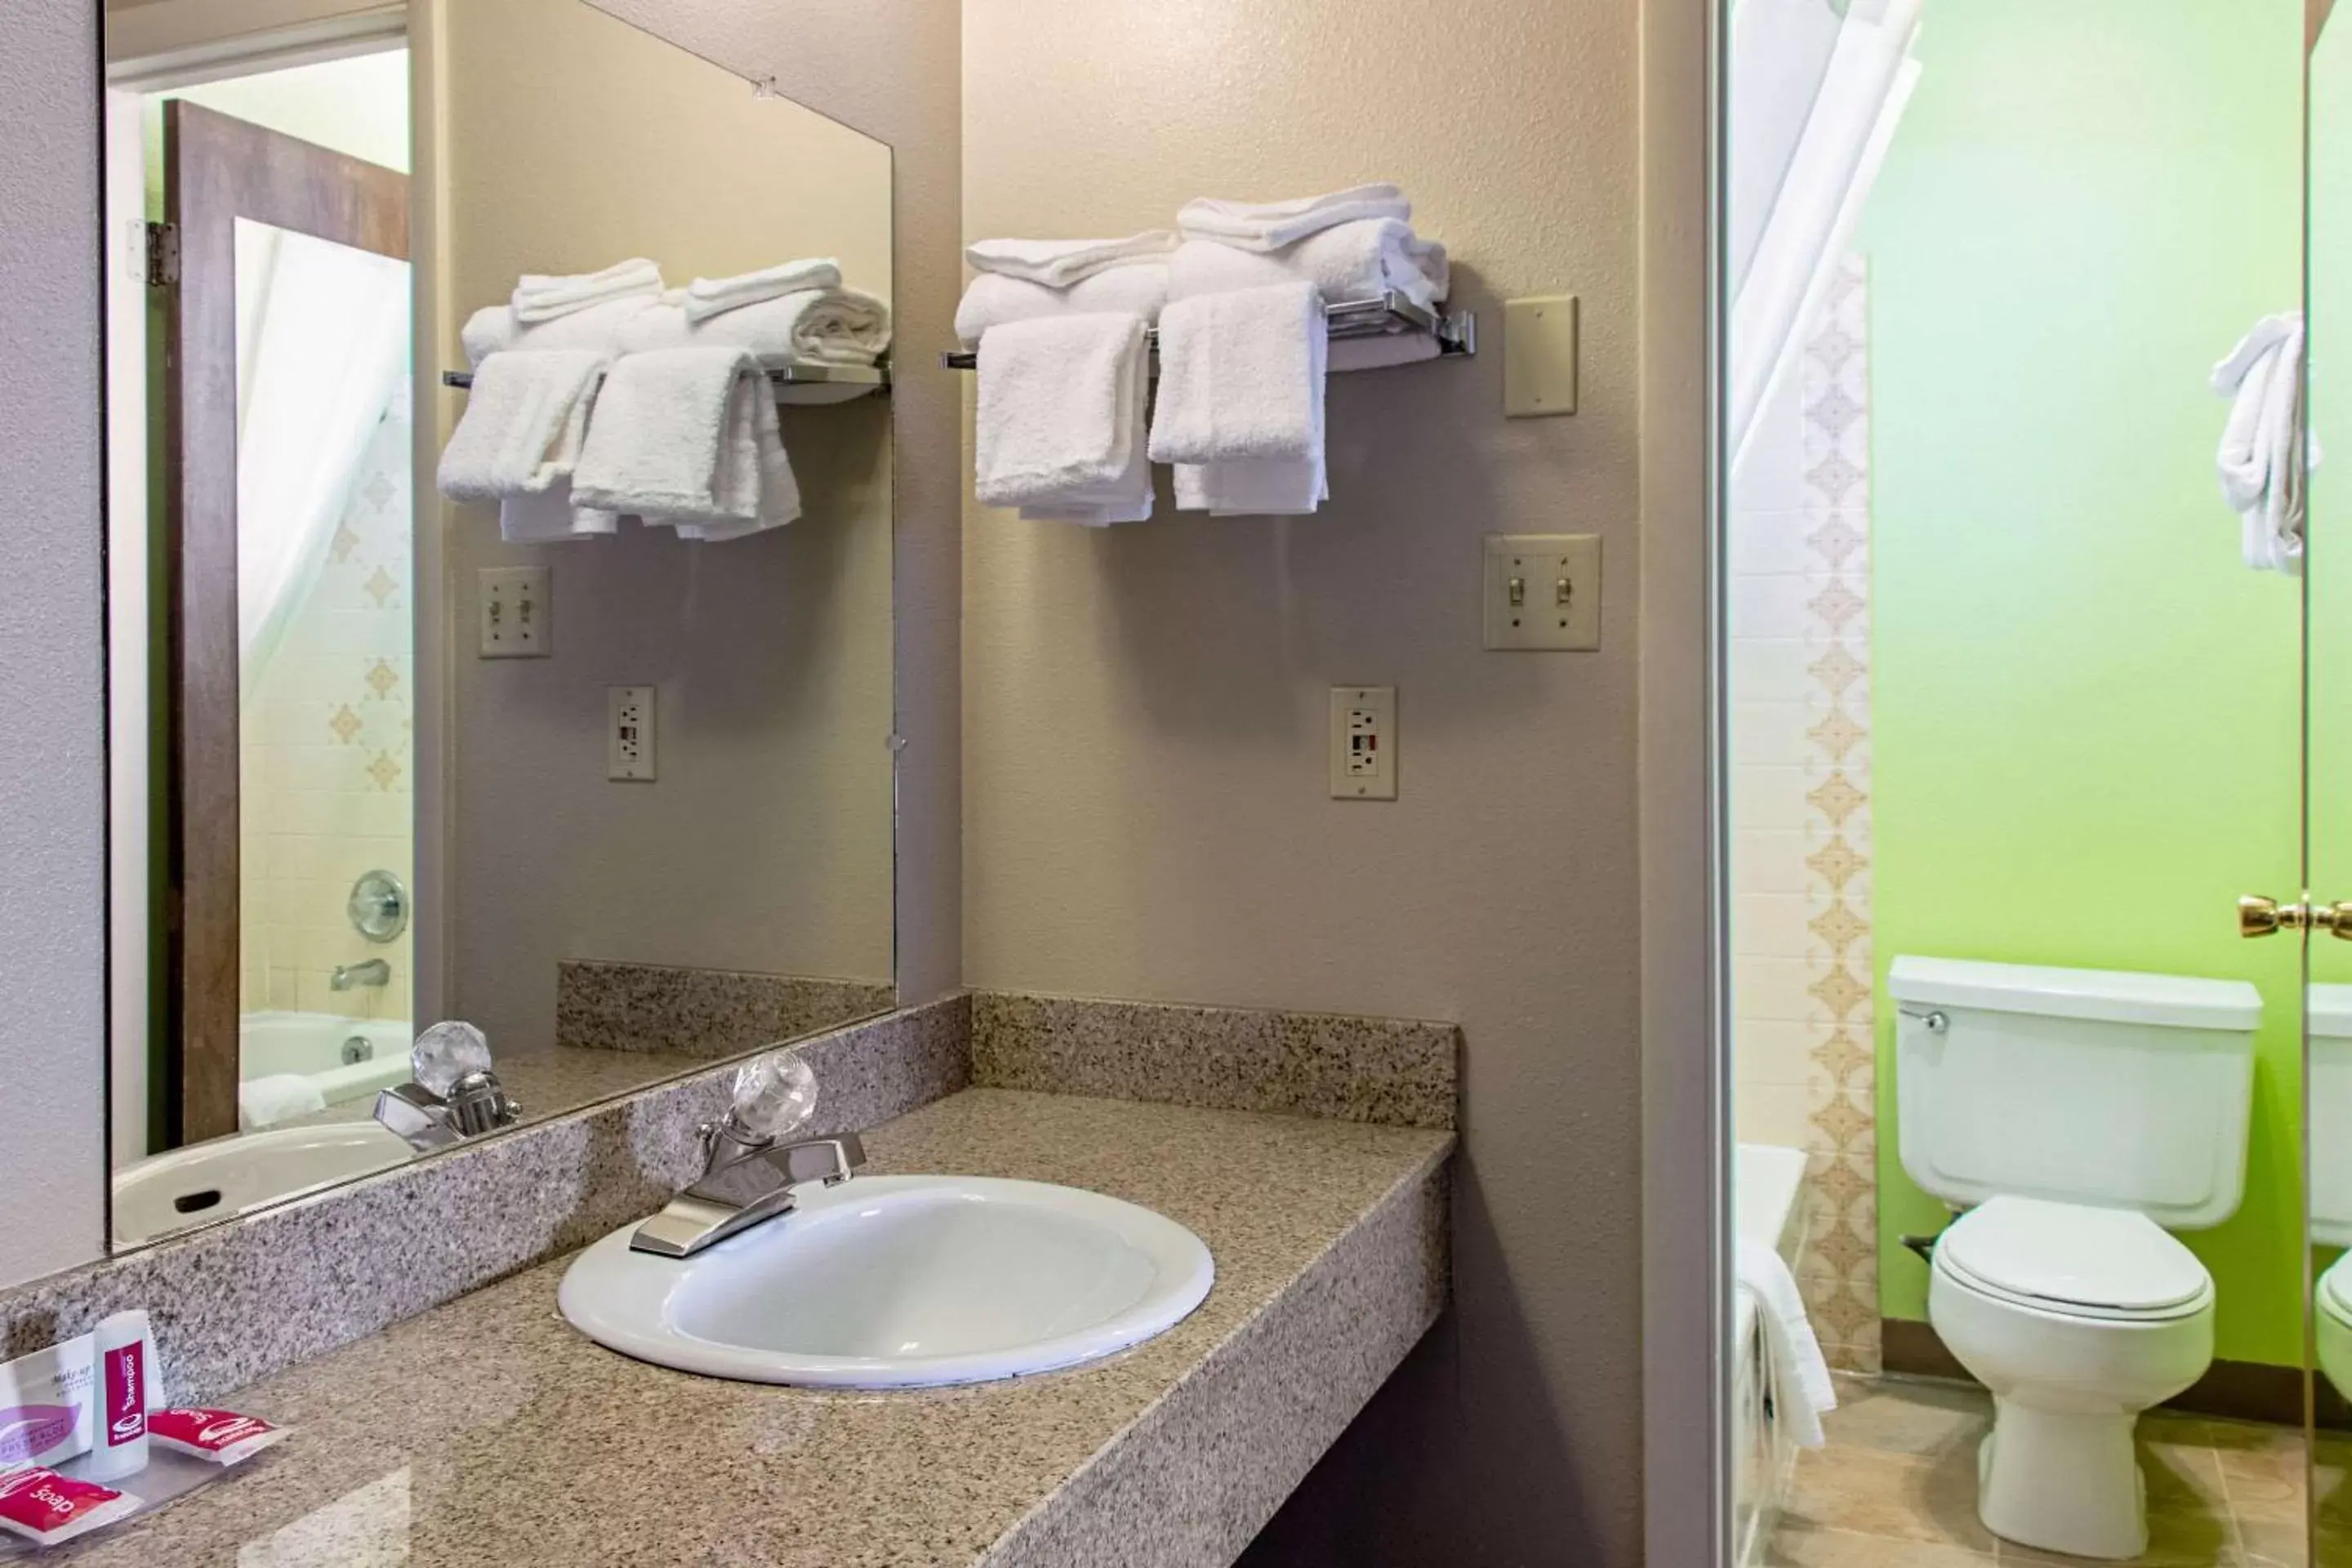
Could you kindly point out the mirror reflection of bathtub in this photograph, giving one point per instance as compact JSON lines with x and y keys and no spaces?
{"x":293,"y":1065}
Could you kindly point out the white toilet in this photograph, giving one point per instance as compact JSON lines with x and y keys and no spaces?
{"x":2078,"y":1116}
{"x":2330,"y":1098}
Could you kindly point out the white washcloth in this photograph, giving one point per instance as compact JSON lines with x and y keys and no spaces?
{"x":550,"y":518}
{"x":1270,"y":226}
{"x":524,"y":425}
{"x":1239,"y":411}
{"x":828,"y":326}
{"x":543,"y":297}
{"x":494,"y":330}
{"x":688,"y":436}
{"x":1059,"y":263}
{"x":1799,"y":1377}
{"x":280,"y":1097}
{"x":1359,"y":260}
{"x":993,"y":299}
{"x":1059,"y":426}
{"x":707,"y":296}
{"x":2260,"y":479}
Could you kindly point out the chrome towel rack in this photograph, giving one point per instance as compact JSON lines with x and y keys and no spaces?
{"x":1389,"y":315}
{"x":876,"y":376}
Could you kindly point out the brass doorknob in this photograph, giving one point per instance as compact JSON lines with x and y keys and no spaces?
{"x":2258,"y":916}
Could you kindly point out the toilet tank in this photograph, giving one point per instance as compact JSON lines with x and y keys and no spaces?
{"x":2330,"y":1092}
{"x":2077,"y":1085}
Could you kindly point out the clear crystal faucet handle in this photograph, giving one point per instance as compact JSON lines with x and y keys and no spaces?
{"x":446,"y":1053}
{"x":774,"y":1095}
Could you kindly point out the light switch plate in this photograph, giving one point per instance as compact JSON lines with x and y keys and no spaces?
{"x":518,"y":612}
{"x":1543,"y":591}
{"x":629,"y":734}
{"x":1540,"y":356}
{"x":1364,"y":743}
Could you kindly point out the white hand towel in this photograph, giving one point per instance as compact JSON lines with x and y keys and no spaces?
{"x":826,"y":326}
{"x":1059,"y":263}
{"x":1059,"y":426}
{"x":524,"y":425}
{"x":494,"y":330}
{"x":688,"y":436}
{"x":280,"y":1097}
{"x":993,"y":299}
{"x":1239,"y":411}
{"x":2260,"y":479}
{"x":1800,"y":1378}
{"x":543,"y":297}
{"x":1270,"y":226}
{"x":1359,"y":260}
{"x":707,"y":296}
{"x":550,"y":518}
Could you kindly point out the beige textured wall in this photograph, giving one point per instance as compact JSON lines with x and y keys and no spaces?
{"x":1146,"y":811}
{"x":572,"y":139}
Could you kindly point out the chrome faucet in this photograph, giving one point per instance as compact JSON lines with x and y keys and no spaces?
{"x":455,"y":1096}
{"x":748,"y":1175}
{"x":373,"y":971}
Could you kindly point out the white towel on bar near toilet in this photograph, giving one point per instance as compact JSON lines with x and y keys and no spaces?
{"x":494,"y":329}
{"x":549,"y":517}
{"x":1799,"y":1377}
{"x":1241,"y":396}
{"x":1360,"y":261}
{"x":2260,"y":481}
{"x":993,"y":299}
{"x":825,"y":326}
{"x":1059,"y":429}
{"x":1060,"y":263}
{"x":280,"y":1097}
{"x":524,"y":425}
{"x":688,"y":438}
{"x":543,"y":297}
{"x":1270,"y":226}
{"x":708,"y":297}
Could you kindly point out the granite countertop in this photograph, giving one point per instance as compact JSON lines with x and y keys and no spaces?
{"x":488,"y":1430}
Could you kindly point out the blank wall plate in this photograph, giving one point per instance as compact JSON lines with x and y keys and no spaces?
{"x":1364,"y":743}
{"x":1540,"y":356}
{"x":518,"y":604}
{"x":629,"y":737}
{"x":1543,"y":591}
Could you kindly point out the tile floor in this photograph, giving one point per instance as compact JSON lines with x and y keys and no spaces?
{"x":1895,"y":1487}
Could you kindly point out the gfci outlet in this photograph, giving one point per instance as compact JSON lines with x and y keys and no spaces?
{"x":1543,"y":591}
{"x":517,"y":613}
{"x":629,"y":737}
{"x":1364,"y":743}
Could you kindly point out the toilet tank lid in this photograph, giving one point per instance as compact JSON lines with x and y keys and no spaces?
{"x":2171,"y":1001}
{"x":2330,"y":1010}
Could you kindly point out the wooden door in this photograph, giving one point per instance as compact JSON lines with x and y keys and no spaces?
{"x":217,"y":170}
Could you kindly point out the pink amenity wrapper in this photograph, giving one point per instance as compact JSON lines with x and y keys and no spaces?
{"x":47,"y":1508}
{"x":221,"y":1436}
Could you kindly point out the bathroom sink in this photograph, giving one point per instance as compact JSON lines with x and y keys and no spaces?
{"x":899,"y":1282}
{"x":227,"y":1175}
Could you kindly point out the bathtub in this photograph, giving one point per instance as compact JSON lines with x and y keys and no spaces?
{"x":1766,"y":1205}
{"x":311,"y":1044}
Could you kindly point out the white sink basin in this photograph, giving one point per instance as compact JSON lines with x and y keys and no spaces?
{"x":227,"y":1175}
{"x":899,"y":1282}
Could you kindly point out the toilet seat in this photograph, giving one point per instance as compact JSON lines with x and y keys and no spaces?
{"x":2336,"y":1290}
{"x":2074,"y":1261}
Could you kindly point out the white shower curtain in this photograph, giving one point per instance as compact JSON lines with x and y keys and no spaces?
{"x":322,"y":345}
{"x":1781,"y":257}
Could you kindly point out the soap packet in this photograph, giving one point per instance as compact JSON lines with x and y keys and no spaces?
{"x":217,"y":1436}
{"x":47,"y":1508}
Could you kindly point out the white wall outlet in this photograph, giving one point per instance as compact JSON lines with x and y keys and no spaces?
{"x":629,"y":737}
{"x":1364,"y":743}
{"x":518,"y":612}
{"x":1540,"y":356}
{"x":1543,"y":591}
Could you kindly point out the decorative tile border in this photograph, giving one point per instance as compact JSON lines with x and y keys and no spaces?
{"x":239,"y":1300}
{"x":707,"y":1012}
{"x":1397,"y":1072}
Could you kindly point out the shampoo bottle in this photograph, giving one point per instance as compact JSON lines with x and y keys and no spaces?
{"x":125,"y":1363}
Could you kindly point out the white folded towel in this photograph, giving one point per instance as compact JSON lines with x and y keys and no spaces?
{"x":1240,"y":410}
{"x":543,"y":297}
{"x":1359,"y":260}
{"x":2260,"y":481}
{"x":688,"y":436}
{"x":280,"y":1097}
{"x":993,"y":299}
{"x":524,"y":425}
{"x":1059,"y":263}
{"x":1270,"y":226}
{"x":1799,"y":1377}
{"x":1059,"y":427}
{"x":550,"y":518}
{"x":826,"y":326}
{"x":707,"y":296}
{"x":494,"y":330}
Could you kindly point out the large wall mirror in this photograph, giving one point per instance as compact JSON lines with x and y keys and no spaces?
{"x":611,"y":782}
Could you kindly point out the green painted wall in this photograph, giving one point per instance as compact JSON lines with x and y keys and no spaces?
{"x":2086,"y":738}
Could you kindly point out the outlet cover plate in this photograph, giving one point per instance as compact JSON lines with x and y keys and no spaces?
{"x":629,"y":734}
{"x":517,"y":613}
{"x":1540,"y":356}
{"x":1364,"y":743}
{"x":1543,"y":591}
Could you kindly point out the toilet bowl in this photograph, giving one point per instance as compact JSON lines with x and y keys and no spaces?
{"x":2333,"y":1324}
{"x":2076,"y":1319}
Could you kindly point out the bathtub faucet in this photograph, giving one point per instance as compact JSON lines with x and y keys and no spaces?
{"x":374,"y":972}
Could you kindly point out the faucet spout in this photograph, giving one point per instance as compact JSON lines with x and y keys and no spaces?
{"x":373,"y":971}
{"x":738,"y":1193}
